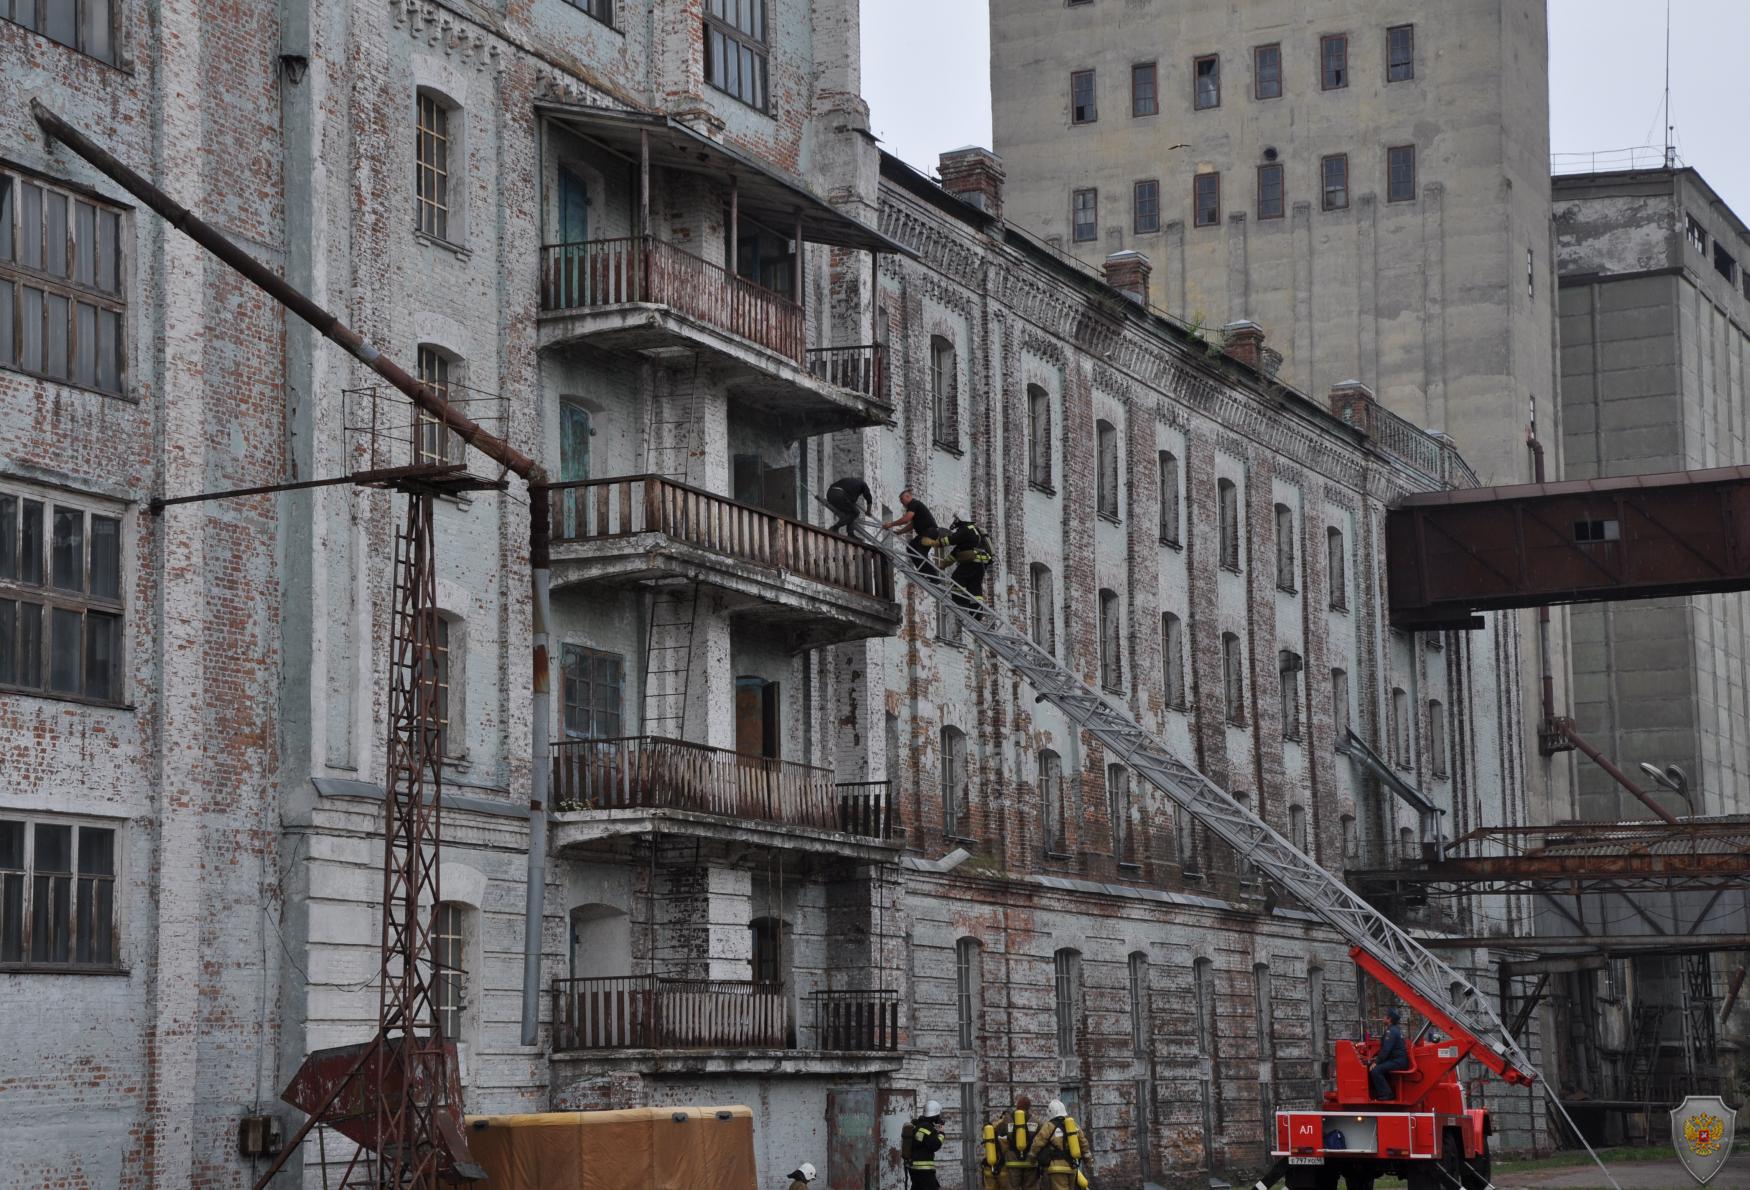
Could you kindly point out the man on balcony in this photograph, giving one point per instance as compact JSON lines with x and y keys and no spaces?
{"x":842,"y":498}
{"x":920,"y":522}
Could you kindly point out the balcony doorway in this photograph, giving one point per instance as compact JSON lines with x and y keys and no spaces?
{"x":770,"y":489}
{"x":765,"y":257}
{"x":757,"y":731}
{"x":771,"y":965}
{"x":601,"y":942}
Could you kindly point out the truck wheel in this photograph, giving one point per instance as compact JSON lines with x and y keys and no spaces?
{"x":1357,"y":1181}
{"x":1477,"y":1173}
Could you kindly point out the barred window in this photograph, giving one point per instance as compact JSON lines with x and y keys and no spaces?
{"x":966,"y":992}
{"x":1038,"y":436}
{"x":1055,"y":810}
{"x":944,"y":392}
{"x":60,"y":596}
{"x":1337,"y":569}
{"x":431,"y":169}
{"x":1233,"y":675}
{"x":433,"y":441}
{"x":1106,"y":459}
{"x":1285,"y":574}
{"x":735,"y":49}
{"x":1288,"y":667}
{"x":1111,"y":641}
{"x":1118,"y":810}
{"x":88,"y":26}
{"x":1228,"y":522}
{"x":955,"y":818}
{"x":61,"y":276}
{"x":1043,"y":607}
{"x":593,"y":689}
{"x":1173,"y":660}
{"x":1067,"y":985}
{"x":1169,"y":494}
{"x":57,"y":894}
{"x":1140,"y":1032}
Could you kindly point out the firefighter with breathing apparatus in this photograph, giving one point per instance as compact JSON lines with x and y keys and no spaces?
{"x":1059,"y":1148}
{"x":1015,"y":1140}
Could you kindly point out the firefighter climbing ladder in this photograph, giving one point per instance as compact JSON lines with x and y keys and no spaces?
{"x":1252,"y":839}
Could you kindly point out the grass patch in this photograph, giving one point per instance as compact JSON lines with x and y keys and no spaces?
{"x":1569,"y":1157}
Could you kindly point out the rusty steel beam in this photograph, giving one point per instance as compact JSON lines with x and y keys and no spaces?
{"x":1575,"y":946}
{"x":1452,"y":554}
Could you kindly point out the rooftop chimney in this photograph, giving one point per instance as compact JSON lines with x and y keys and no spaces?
{"x":1353,"y":401}
{"x":975,"y":176}
{"x":1244,"y":341}
{"x":1127,"y":272}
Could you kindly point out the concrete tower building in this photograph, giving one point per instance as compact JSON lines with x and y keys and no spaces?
{"x":1365,"y":181}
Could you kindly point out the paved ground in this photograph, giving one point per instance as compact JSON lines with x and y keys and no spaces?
{"x":1637,"y":1175}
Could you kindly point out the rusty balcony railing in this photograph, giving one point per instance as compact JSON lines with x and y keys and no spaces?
{"x":644,"y":269}
{"x":854,"y":1021}
{"x":861,"y":369}
{"x":593,"y":509}
{"x":647,"y":1012}
{"x":650,"y":773}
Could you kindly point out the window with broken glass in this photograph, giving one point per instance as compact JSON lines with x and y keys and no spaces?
{"x":61,"y":276}
{"x":57,"y":895}
{"x":60,"y":596}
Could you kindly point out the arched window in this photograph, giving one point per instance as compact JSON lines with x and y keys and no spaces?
{"x":1042,"y":607}
{"x":438,"y":206}
{"x":1169,"y":485}
{"x":967,"y":992}
{"x":1233,"y":673}
{"x":1402,"y":748}
{"x":1051,"y":793}
{"x":1067,"y":983}
{"x":1228,"y":518}
{"x":1106,"y":476}
{"x":944,"y":392}
{"x":1336,"y":569}
{"x":1111,"y":641}
{"x":1288,"y":667}
{"x":1340,"y":708}
{"x":1038,"y":437}
{"x":441,"y":370}
{"x":1297,"y":827}
{"x":1437,"y":738}
{"x":1139,"y":1004}
{"x":1285,"y":547}
{"x":1173,"y":660}
{"x":954,"y":782}
{"x":1118,"y":810}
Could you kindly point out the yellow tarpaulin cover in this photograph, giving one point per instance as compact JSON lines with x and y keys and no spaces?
{"x":662,"y":1148}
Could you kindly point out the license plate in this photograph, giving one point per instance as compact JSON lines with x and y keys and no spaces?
{"x":1306,"y":1161}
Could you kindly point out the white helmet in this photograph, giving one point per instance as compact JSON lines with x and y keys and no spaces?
{"x":1055,"y":1110}
{"x":932,"y":1109}
{"x":807,"y":1172}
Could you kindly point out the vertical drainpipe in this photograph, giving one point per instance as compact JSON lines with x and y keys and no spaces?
{"x":540,"y":510}
{"x":1543,"y":648}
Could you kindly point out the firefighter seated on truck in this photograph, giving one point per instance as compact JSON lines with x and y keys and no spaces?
{"x":1392,"y":1056}
{"x":1059,"y":1148}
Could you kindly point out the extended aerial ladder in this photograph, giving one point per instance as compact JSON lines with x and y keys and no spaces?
{"x":1377,"y":944}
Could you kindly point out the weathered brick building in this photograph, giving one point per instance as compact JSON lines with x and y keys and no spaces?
{"x":653,"y":244}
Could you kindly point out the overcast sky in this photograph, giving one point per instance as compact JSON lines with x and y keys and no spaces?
{"x":1607,"y":76}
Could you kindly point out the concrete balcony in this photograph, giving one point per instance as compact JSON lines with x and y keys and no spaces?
{"x":647,"y":296}
{"x":816,"y":586}
{"x":609,"y":789}
{"x":722,"y":1026}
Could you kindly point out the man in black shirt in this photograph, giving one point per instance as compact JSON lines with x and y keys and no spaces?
{"x":842,"y":498}
{"x":920,"y":522}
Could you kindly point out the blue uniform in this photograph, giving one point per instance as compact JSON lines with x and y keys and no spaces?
{"x":1392,"y":1056}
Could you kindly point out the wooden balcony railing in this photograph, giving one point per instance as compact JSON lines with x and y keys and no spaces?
{"x":592,"y":509}
{"x":846,"y":1021}
{"x":866,"y":808}
{"x":646,"y":1012}
{"x":861,"y":369}
{"x":598,"y":273}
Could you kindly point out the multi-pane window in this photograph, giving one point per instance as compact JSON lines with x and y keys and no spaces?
{"x":1169,"y":494}
{"x":433,"y":441}
{"x":1038,"y":436}
{"x":1067,"y":988}
{"x":1437,"y":738}
{"x":593,"y":689}
{"x":1111,"y":641}
{"x":1285,"y":547}
{"x":944,"y":392}
{"x":449,"y":955}
{"x":1340,"y":707}
{"x":1052,"y":802}
{"x":1233,"y":678}
{"x":61,"y":281}
{"x":57,"y":894}
{"x":1106,"y":469}
{"x":1146,"y":206}
{"x":440,"y":685}
{"x":1042,"y":607}
{"x":1173,"y":660}
{"x":1288,"y":667}
{"x":966,"y":992}
{"x":1336,"y":569}
{"x":1267,"y":72}
{"x":601,"y":10}
{"x":1400,"y":173}
{"x":431,"y":168}
{"x":1334,"y":181}
{"x":1271,"y":198}
{"x":1082,"y":109}
{"x":954,"y":782}
{"x":1206,"y":199}
{"x":1334,"y":61}
{"x":735,"y":49}
{"x":1118,"y":810}
{"x":1085,"y":216}
{"x":1206,"y":82}
{"x":1400,"y":53}
{"x":1145,"y":99}
{"x":88,"y":26}
{"x":60,"y":597}
{"x":1227,"y":501}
